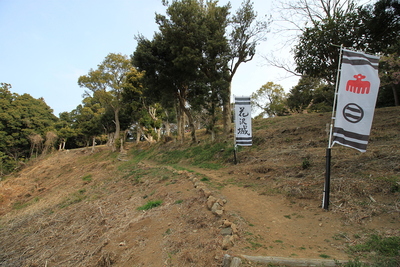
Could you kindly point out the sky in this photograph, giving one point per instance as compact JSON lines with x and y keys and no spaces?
{"x":46,"y":45}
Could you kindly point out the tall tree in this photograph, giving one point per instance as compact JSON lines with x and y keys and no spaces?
{"x":108,"y":81}
{"x":143,"y":107}
{"x":87,"y":119}
{"x":372,"y":28}
{"x":196,"y":58}
{"x":65,"y":130}
{"x":382,"y":26}
{"x":315,"y":54}
{"x":192,"y":39}
{"x":300,"y":96}
{"x":186,"y":56}
{"x":244,"y":37}
{"x":390,"y":80}
{"x":270,"y":99}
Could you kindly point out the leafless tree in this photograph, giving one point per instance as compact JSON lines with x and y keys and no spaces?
{"x":36,"y":143}
{"x":293,"y":17}
{"x":51,"y":139}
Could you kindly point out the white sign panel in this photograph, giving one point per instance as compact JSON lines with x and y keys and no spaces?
{"x":243,"y":132}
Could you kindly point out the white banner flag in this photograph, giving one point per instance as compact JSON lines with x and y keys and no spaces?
{"x":357,"y":93}
{"x":243,"y":132}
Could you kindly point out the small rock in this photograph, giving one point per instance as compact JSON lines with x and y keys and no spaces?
{"x":219,"y":212}
{"x":234,"y":228}
{"x":216,"y":206}
{"x":217,"y":209}
{"x":227,"y":242}
{"x":226,"y":223}
{"x":226,"y":231}
{"x":236,"y":262}
{"x":221,"y":202}
{"x":227,"y":261}
{"x":206,"y":192}
{"x":210,"y":202}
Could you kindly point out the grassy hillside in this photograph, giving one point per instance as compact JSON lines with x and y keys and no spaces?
{"x":138,"y":208}
{"x":288,"y":156}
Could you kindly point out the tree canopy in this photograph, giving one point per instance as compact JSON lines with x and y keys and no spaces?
{"x":270,"y":99}
{"x":106,"y":83}
{"x":193,"y":58}
{"x":371,"y":28}
{"x":21,"y":118}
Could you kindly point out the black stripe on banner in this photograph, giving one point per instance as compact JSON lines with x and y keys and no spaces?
{"x":244,"y":141}
{"x":356,"y":110}
{"x":357,"y":136}
{"x":355,"y":117}
{"x":354,"y":58}
{"x":370,"y":58}
{"x":242,"y":100}
{"x":358,"y":62}
{"x":344,"y":141}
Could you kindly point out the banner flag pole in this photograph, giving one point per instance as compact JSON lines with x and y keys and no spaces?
{"x":234,"y":137}
{"x":328,"y":156}
{"x":356,"y":93}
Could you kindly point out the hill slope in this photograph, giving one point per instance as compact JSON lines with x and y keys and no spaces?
{"x":75,"y":208}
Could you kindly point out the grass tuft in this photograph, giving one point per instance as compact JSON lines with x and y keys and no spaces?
{"x":384,"y":251}
{"x":150,"y":205}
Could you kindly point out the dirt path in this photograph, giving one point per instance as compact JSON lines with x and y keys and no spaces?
{"x":272,"y":225}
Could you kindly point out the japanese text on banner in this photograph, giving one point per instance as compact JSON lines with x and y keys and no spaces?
{"x":243,"y":131}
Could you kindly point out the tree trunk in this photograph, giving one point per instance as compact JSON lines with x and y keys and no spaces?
{"x":117,"y":128}
{"x":93,"y":144}
{"x":180,"y":118}
{"x":138,"y":133}
{"x":212,"y":127}
{"x":110,"y":141}
{"x":121,"y":148}
{"x":190,"y":118}
{"x":158,"y":134}
{"x":167,"y":129}
{"x":395,"y":95}
{"x":227,"y":111}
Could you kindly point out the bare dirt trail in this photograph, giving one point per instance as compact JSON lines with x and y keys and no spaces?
{"x":273,"y":225}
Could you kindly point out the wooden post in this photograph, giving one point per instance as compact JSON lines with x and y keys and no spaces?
{"x":327,"y":185}
{"x":235,"y":155}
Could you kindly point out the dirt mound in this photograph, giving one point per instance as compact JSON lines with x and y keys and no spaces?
{"x":55,"y":214}
{"x":77,"y":208}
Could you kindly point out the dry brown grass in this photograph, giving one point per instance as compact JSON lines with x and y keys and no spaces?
{"x":51,"y":216}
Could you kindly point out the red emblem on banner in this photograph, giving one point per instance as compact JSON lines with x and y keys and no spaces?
{"x":358,"y":86}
